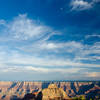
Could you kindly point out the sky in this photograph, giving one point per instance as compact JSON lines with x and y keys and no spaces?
{"x":49,"y":40}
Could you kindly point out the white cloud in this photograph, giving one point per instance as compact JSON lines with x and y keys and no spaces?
{"x":54,"y":47}
{"x":96,"y":1}
{"x":24,"y":28}
{"x":38,"y":69}
{"x":89,"y":58}
{"x":81,"y":52}
{"x":16,"y":58}
{"x":49,"y":46}
{"x":2,"y":22}
{"x":10,"y":69}
{"x":42,"y":55}
{"x":66,"y":46}
{"x":94,"y":49}
{"x":77,"y":49}
{"x":41,"y":70}
{"x":49,"y":70}
{"x":80,"y":5}
{"x":93,"y":35}
{"x":93,"y":74}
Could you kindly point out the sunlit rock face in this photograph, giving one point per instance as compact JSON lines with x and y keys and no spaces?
{"x":9,"y":90}
{"x":54,"y":93}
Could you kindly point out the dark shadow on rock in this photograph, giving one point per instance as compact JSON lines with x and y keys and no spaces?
{"x":73,"y":87}
{"x":64,"y":88}
{"x":3,"y":96}
{"x":21,"y":85}
{"x":45,"y":85}
{"x":14,"y":97}
{"x":39,"y":96}
{"x":29,"y":96}
{"x":12,"y":86}
{"x":36,"y":90}
{"x":84,"y":88}
{"x":98,"y":83}
{"x":93,"y":94}
{"x":0,"y":90}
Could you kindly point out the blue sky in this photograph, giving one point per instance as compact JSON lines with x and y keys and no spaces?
{"x":49,"y":40}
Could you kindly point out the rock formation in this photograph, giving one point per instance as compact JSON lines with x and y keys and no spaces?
{"x":54,"y":93}
{"x":10,"y":90}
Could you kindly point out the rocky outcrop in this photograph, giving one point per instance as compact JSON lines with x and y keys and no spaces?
{"x":54,"y":93}
{"x":18,"y":89}
{"x":10,"y":90}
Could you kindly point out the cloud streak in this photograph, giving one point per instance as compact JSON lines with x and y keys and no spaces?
{"x":22,"y":28}
{"x":27,"y":45}
{"x":80,"y":5}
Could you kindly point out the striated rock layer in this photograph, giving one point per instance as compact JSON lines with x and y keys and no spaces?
{"x":54,"y":93}
{"x":10,"y":90}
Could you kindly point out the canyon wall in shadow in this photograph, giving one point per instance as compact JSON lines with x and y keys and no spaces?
{"x":17,"y":90}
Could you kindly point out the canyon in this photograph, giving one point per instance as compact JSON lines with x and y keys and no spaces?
{"x":14,"y":90}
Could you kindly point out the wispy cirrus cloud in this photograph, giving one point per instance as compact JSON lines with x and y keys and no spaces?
{"x":50,"y":70}
{"x":80,"y":5}
{"x":88,"y":52}
{"x":93,"y":74}
{"x":23,"y":28}
{"x":93,"y":35}
{"x":96,"y":1}
{"x":26,"y":45}
{"x":17,"y":58}
{"x":2,"y":22}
